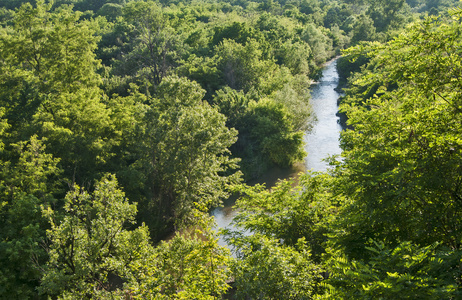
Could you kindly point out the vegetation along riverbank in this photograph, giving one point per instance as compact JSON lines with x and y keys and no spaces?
{"x":124,"y":121}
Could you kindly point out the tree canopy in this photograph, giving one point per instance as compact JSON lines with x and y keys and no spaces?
{"x":123,"y":122}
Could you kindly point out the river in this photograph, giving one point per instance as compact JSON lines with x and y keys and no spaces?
{"x":321,"y":142}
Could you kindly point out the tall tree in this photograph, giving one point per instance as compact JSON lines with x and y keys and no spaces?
{"x":27,"y":182}
{"x":280,"y":238}
{"x":401,"y":171}
{"x":189,"y":266}
{"x":186,"y":152}
{"x":95,"y":252}
{"x":156,"y":46}
{"x":90,"y":246}
{"x":50,"y":86}
{"x":401,"y":159}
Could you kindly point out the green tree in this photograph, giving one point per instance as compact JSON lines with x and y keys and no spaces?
{"x":267,"y":124}
{"x":363,"y":29}
{"x":265,"y":269}
{"x":276,"y":30}
{"x":295,"y":96}
{"x":400,"y":164}
{"x":243,"y":67}
{"x":12,"y":4}
{"x":189,"y":266}
{"x":239,"y":32}
{"x":233,"y":104}
{"x":319,"y":42}
{"x":49,"y":86}
{"x":406,"y":271}
{"x":91,"y":246}
{"x":289,"y":213}
{"x":94,"y":252}
{"x":156,"y":47}
{"x":385,"y":13}
{"x":295,"y":56}
{"x":276,"y":234}
{"x":270,"y":127}
{"x":27,"y":181}
{"x":186,"y":152}
{"x":53,"y":46}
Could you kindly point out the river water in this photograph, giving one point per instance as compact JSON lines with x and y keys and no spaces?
{"x":321,"y":142}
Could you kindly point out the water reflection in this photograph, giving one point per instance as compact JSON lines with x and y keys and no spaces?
{"x":321,"y":142}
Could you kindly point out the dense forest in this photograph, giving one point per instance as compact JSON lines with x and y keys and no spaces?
{"x":123,"y":122}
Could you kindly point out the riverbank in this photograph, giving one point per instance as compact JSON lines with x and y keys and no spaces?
{"x":321,"y":142}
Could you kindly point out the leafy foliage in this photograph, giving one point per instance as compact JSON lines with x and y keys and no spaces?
{"x":265,"y":269}
{"x":50,"y":86}
{"x":26,"y":184}
{"x":398,"y":236}
{"x":95,"y":254}
{"x":189,"y":266}
{"x":184,"y":154}
{"x":90,"y":243}
{"x":169,"y":95}
{"x":289,"y":213}
{"x":280,"y":238}
{"x":407,"y":169}
{"x":405,"y":272}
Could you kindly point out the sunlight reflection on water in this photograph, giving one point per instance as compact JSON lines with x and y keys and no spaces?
{"x":321,"y":142}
